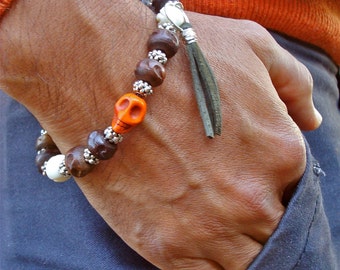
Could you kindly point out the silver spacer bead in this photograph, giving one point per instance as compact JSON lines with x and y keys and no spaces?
{"x":168,"y":26}
{"x":89,"y":158}
{"x":43,"y":132}
{"x":112,"y":136}
{"x":43,"y":168}
{"x":159,"y":56}
{"x":63,"y":170}
{"x":189,"y":35}
{"x":142,"y":88}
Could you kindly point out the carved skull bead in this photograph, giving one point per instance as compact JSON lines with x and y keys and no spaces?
{"x":130,"y":110}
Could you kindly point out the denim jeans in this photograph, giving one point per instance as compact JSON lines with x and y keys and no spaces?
{"x":44,"y":225}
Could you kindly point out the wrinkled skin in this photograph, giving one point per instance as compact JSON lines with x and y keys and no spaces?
{"x":179,"y":199}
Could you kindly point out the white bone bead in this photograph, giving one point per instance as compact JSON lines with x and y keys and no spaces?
{"x":172,"y":14}
{"x":53,"y":166}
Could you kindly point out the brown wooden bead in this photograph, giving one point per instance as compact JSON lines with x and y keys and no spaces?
{"x":151,"y":71}
{"x":165,"y":41}
{"x":45,"y":141}
{"x":44,"y":155}
{"x":75,"y":162}
{"x":99,"y":147}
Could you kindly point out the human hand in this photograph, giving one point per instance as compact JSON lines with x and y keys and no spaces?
{"x":182,"y":201}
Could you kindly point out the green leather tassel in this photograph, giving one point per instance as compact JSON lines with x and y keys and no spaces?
{"x":205,"y":85}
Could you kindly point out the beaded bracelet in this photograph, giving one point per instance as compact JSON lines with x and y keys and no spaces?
{"x":131,"y":108}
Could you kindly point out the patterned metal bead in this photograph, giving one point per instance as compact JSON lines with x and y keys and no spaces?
{"x":89,"y":158}
{"x":112,"y":136}
{"x":189,"y":35}
{"x":159,"y":56}
{"x":168,"y":26}
{"x":43,"y":168}
{"x":63,"y":170}
{"x":142,"y":88}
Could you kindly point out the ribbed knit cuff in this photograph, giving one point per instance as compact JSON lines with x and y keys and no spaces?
{"x":316,"y":22}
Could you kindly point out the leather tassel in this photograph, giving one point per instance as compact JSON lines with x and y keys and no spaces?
{"x":206,"y":89}
{"x":205,"y":85}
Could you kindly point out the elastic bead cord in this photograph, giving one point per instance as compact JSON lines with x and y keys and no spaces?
{"x":129,"y":111}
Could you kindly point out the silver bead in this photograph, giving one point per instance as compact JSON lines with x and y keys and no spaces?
{"x":43,"y":168}
{"x":159,"y":56}
{"x":168,"y":26}
{"x":142,"y":88}
{"x":112,"y":136}
{"x":63,"y":170}
{"x":43,"y":132}
{"x":89,"y":158}
{"x":189,"y":35}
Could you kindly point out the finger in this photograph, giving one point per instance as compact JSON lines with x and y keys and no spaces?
{"x":259,"y":209}
{"x":294,"y":85}
{"x":235,"y":252}
{"x":260,"y":229}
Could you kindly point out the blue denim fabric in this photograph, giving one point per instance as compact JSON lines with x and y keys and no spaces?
{"x":44,"y":225}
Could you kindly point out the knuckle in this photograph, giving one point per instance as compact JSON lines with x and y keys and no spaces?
{"x":163,"y":244}
{"x":308,"y":79}
{"x":257,"y":202}
{"x":259,"y":38}
{"x":292,"y":153}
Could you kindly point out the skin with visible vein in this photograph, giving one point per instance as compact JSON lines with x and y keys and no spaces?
{"x":180,"y":200}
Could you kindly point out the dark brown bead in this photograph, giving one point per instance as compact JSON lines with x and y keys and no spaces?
{"x":159,"y":4}
{"x":45,"y":141}
{"x":151,"y":71}
{"x":165,"y":41}
{"x":44,"y":155}
{"x":99,"y":147}
{"x":75,"y":162}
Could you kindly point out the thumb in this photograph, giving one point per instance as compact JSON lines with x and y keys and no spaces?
{"x":294,"y":85}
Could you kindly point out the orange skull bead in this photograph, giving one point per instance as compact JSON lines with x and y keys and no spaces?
{"x":130,"y":110}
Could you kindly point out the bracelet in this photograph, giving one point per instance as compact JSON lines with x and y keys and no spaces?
{"x":130,"y":109}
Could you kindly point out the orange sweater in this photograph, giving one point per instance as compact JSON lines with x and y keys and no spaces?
{"x":4,"y":4}
{"x":314,"y":21}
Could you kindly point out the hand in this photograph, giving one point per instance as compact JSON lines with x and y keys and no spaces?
{"x":182,"y":201}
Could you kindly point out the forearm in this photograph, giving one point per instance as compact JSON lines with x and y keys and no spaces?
{"x":94,"y":48}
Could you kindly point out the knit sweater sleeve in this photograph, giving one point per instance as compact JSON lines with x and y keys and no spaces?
{"x":316,"y":22}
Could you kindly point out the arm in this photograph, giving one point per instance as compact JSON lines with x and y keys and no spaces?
{"x":180,"y":200}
